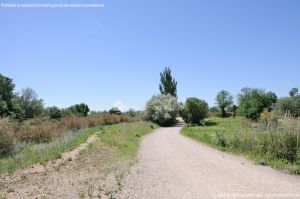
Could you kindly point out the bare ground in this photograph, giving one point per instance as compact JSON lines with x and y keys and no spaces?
{"x":89,"y":175}
{"x":173,"y":166}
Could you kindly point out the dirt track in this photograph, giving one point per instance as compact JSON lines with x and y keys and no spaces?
{"x":173,"y":166}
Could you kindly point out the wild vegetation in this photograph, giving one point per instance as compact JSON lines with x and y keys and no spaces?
{"x":123,"y":137}
{"x":275,"y":142}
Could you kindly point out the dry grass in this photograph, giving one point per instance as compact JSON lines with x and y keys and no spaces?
{"x":38,"y":130}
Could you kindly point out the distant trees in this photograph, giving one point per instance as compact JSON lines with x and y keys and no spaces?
{"x":291,"y":104}
{"x":80,"y":109}
{"x":168,"y":84}
{"x":223,"y":101}
{"x":162,"y":109}
{"x":253,"y":101}
{"x":115,"y":110}
{"x":54,"y":112}
{"x":194,"y":110}
{"x":293,"y":92}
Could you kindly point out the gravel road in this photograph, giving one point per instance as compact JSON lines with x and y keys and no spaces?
{"x":173,"y":166}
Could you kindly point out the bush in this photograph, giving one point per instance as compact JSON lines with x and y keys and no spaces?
{"x":162,"y":109}
{"x":194,"y":111}
{"x":7,"y":139}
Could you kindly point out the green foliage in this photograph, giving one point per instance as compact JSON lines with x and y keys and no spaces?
{"x":31,"y":105}
{"x":167,"y":85}
{"x":6,"y":96}
{"x":115,"y":110}
{"x":80,"y":109}
{"x":194,"y":111}
{"x":253,"y":101}
{"x":278,"y":145}
{"x":223,"y":101}
{"x":162,"y":109}
{"x":290,"y":105}
{"x":53,"y":112}
{"x":293,"y":92}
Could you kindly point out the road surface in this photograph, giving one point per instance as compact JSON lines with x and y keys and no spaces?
{"x":174,"y":166}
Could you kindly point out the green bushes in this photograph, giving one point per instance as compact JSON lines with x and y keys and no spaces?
{"x":162,"y":109}
{"x":194,"y":111}
{"x":277,"y":145}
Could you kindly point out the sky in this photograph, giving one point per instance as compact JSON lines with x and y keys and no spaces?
{"x":112,"y":56}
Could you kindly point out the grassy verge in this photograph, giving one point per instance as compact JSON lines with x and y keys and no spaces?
{"x":278,"y":147}
{"x":123,"y":136}
{"x":106,"y":161}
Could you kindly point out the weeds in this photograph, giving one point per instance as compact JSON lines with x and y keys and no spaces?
{"x":273,"y":141}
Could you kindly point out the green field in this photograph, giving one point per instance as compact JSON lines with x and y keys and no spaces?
{"x":278,"y":147}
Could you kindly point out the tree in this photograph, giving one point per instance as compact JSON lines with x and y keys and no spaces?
{"x":289,"y":105}
{"x":115,"y":110}
{"x":53,"y":112}
{"x":6,"y":96}
{"x":223,"y":101}
{"x":162,"y":109}
{"x":30,"y":104}
{"x":253,"y":101}
{"x":293,"y":92}
{"x":194,"y":110}
{"x":167,"y":85}
{"x":234,"y":108}
{"x":80,"y":109}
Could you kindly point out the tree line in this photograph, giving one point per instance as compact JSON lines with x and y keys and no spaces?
{"x":27,"y":104}
{"x":251,"y":103}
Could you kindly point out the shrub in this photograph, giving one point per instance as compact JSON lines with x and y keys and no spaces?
{"x":194,"y":111}
{"x":162,"y":109}
{"x":7,"y":139}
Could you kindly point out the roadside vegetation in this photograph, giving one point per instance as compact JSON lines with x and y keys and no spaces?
{"x":266,"y":129}
{"x":277,"y":146}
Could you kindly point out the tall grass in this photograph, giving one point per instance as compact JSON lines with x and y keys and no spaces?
{"x":277,"y":145}
{"x":124,"y":137}
{"x":39,"y":131}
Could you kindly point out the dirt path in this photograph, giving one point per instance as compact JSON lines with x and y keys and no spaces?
{"x":94,"y":174}
{"x":174,"y":166}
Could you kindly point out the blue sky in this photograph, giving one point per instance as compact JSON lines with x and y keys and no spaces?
{"x":113,"y":55}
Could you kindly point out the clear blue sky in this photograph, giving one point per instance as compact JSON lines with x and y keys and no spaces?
{"x":114,"y":54}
